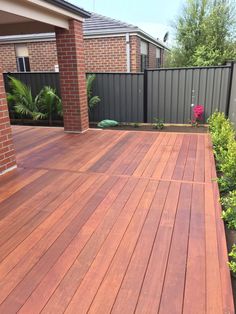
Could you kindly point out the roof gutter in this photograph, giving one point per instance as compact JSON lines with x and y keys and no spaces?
{"x":131,"y":31}
{"x":69,"y":7}
{"x":151,"y":39}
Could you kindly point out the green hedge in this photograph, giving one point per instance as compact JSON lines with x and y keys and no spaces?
{"x":224,"y":146}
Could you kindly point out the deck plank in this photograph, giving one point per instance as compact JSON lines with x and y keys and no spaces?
{"x":195,"y":285}
{"x":128,"y":294}
{"x":112,"y":222}
{"x":176,"y":268}
{"x":150,"y":295}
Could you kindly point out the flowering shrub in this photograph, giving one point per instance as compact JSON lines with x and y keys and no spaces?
{"x":198,"y":112}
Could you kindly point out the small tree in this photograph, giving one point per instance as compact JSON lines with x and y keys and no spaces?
{"x":205,"y":34}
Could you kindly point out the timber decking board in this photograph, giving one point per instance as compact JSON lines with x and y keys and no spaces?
{"x":112,"y":222}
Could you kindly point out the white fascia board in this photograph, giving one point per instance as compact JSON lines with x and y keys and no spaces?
{"x":27,"y":38}
{"x":105,"y":32}
{"x":103,"y":36}
{"x":148,"y":40}
{"x":123,"y":32}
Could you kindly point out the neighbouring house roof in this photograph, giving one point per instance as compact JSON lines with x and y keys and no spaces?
{"x":96,"y":25}
{"x":102,"y":25}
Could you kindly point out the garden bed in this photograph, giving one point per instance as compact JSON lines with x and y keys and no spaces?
{"x":181,"y":128}
{"x":177,"y":128}
{"x":31,"y":122}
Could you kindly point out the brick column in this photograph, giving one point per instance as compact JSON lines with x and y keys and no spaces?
{"x":70,"y":51}
{"x":7,"y":153}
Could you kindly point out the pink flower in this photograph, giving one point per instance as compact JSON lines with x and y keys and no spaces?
{"x":198,"y":112}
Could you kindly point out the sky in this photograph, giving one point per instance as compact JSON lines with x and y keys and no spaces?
{"x":153,"y":16}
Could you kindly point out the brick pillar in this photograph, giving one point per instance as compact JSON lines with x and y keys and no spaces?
{"x":7,"y":153}
{"x":70,"y":51}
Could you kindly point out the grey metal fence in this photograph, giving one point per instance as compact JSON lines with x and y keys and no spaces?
{"x":170,"y":92}
{"x":159,"y":93}
{"x":36,"y":80}
{"x":121,"y":97}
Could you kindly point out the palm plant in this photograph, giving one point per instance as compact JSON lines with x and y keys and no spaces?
{"x":92,"y":100}
{"x":48,"y":103}
{"x":41,"y":107}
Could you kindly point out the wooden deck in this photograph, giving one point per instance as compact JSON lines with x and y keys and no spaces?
{"x":112,"y":221}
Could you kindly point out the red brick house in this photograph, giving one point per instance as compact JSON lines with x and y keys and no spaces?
{"x":110,"y":46}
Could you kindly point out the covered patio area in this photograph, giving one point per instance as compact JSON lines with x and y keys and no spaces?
{"x":112,"y":221}
{"x":65,"y":19}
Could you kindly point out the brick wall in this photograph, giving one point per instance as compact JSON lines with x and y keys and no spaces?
{"x":101,"y":55}
{"x":8,"y":58}
{"x":105,"y":54}
{"x":152,"y":63}
{"x":163,"y":56}
{"x":135,"y":54}
{"x":7,"y":153}
{"x":43,"y":55}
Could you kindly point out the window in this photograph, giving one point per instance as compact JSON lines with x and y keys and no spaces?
{"x":144,"y":55}
{"x":158,"y":57}
{"x":22,"y":58}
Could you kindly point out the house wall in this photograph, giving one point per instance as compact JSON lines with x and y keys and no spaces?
{"x":43,"y":55}
{"x":152,"y":62}
{"x":105,"y":54}
{"x":8,"y":58}
{"x":135,"y":62}
{"x":101,"y":55}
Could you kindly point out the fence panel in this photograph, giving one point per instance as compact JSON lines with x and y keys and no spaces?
{"x":36,"y":80}
{"x":172,"y":91}
{"x":121,"y":97}
{"x":169,"y":93}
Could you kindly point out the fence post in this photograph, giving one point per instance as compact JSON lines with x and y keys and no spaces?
{"x":232,"y":96}
{"x":231,"y":64}
{"x":145,"y":96}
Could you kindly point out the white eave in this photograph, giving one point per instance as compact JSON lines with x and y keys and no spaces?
{"x":37,"y":16}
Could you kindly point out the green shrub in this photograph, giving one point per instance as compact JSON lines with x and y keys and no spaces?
{"x":158,"y":124}
{"x":229,"y":212}
{"x":222,"y":134}
{"x":227,"y":181}
{"x":135,"y":125}
{"x":215,"y":121}
{"x":224,"y":144}
{"x":232,"y":263}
